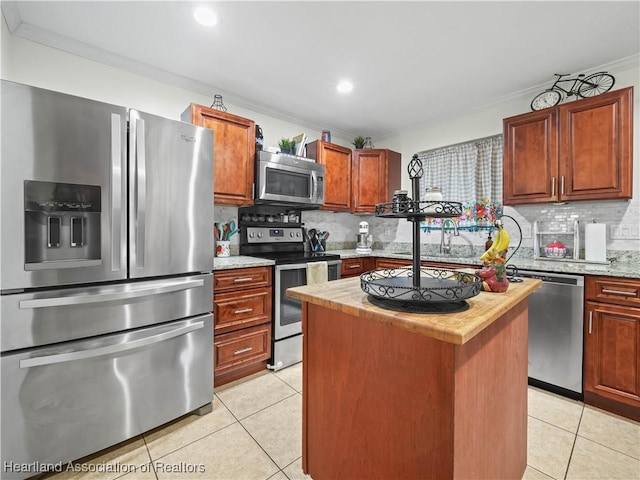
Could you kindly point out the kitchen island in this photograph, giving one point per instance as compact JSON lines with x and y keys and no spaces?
{"x":405,"y":395}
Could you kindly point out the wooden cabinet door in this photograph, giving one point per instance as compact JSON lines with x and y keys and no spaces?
{"x":612,"y":358}
{"x":376,"y":175}
{"x":337,"y":176}
{"x":233,"y":154}
{"x":530,"y":154}
{"x":595,"y":151}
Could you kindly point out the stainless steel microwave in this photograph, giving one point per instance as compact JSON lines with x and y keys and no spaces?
{"x":288,"y":180}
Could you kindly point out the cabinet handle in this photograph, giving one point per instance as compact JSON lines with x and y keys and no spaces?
{"x":590,"y":321}
{"x":240,"y":280}
{"x":562,"y":185}
{"x":553,"y":186}
{"x":243,"y":350}
{"x":243,"y":310}
{"x":354,"y":266}
{"x":618,"y":292}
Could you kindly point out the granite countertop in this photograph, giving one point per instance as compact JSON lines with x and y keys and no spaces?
{"x":240,"y":261}
{"x":345,"y":295}
{"x":619,"y":267}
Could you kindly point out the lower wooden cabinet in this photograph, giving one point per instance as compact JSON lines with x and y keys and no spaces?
{"x":612,"y":346}
{"x":352,"y":267}
{"x":239,"y":353}
{"x":243,"y":308}
{"x":242,"y":313}
{"x":382,"y":263}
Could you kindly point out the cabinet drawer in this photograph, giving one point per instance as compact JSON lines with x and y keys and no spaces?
{"x":621,"y":291}
{"x":242,"y":308}
{"x":391,"y":263}
{"x":227,"y":280}
{"x":351,"y":267}
{"x":241,"y":348}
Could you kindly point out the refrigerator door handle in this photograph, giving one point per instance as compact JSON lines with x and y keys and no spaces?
{"x":110,"y":349}
{"x":111,"y":296}
{"x":141,"y":192}
{"x":116,"y":191}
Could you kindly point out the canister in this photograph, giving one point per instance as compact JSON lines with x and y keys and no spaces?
{"x":400,"y":201}
{"x":434,"y":194}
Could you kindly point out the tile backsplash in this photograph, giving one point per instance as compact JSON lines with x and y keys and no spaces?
{"x":621,"y":217}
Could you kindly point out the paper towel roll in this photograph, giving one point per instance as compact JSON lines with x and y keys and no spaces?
{"x":595,"y":242}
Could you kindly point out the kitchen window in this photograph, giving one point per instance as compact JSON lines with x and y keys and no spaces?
{"x":469,"y":173}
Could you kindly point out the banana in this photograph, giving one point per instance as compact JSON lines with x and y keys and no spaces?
{"x":502,"y":240}
{"x":500,"y":244}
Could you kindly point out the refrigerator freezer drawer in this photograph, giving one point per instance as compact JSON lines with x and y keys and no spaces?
{"x":52,"y":316}
{"x":75,"y":398}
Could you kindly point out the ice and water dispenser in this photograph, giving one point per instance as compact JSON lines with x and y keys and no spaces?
{"x":62,"y":223}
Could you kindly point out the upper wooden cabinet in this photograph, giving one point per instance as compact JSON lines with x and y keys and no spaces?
{"x":580,"y":150}
{"x":356,"y":181}
{"x":375,"y":176}
{"x":337,"y":176}
{"x":234,"y":146}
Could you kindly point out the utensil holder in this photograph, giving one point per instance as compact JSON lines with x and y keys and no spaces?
{"x":223,"y":248}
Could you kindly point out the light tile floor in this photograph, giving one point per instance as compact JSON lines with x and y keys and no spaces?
{"x":254,"y":432}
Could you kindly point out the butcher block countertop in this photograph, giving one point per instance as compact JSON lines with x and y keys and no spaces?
{"x":457,"y":328}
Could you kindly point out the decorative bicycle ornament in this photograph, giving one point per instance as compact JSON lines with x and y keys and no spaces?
{"x":589,"y":86}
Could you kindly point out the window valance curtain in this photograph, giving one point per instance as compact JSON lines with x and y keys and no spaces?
{"x":469,"y":173}
{"x":465,"y":172}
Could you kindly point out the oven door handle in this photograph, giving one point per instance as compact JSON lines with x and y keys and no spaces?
{"x":107,"y":297}
{"x":110,"y":349}
{"x":303,"y":265}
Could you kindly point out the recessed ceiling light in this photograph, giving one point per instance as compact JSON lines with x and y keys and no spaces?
{"x":205,"y":16}
{"x":345,"y":86}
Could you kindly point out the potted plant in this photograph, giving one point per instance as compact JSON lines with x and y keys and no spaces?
{"x":285,"y":145}
{"x":358,"y":142}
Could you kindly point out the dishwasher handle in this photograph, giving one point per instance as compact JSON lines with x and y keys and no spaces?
{"x":575,"y":280}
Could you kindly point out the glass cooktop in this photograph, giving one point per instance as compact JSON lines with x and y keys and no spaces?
{"x":285,"y":258}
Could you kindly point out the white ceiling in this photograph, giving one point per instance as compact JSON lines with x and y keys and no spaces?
{"x":411,"y":62}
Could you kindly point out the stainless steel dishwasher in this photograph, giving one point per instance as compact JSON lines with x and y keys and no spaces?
{"x":556,"y":332}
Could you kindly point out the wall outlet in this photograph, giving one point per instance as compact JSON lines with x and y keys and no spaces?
{"x":615,"y":232}
{"x":625,"y":231}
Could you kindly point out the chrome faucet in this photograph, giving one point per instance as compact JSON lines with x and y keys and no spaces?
{"x":445,"y":248}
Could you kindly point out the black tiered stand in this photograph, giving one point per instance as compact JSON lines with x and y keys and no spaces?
{"x":419,"y":289}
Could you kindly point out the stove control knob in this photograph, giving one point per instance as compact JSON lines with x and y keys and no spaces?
{"x":291,"y":234}
{"x":251,"y":235}
{"x":298,"y":234}
{"x":259,"y":234}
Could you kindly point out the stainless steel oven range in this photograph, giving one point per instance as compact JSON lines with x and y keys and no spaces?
{"x":268,"y":237}
{"x":106,"y":282}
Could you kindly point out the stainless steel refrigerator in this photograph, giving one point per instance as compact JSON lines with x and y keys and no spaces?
{"x":106,"y":285}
